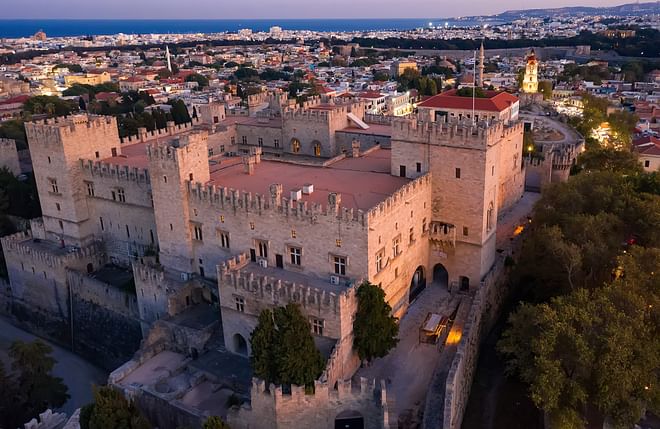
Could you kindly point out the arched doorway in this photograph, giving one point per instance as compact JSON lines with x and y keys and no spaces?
{"x":349,"y":420}
{"x":240,"y":345}
{"x":417,"y":284}
{"x":464,"y":283}
{"x":317,"y":148}
{"x":441,"y":275}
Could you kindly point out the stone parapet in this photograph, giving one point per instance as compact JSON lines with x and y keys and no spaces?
{"x":118,"y":172}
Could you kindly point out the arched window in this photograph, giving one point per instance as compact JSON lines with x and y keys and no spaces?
{"x":317,"y":149}
{"x":489,"y":217}
{"x":295,"y":145}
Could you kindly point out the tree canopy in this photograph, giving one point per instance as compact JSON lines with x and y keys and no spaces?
{"x":283,"y":349}
{"x":111,"y":410}
{"x":30,"y":387}
{"x":375,"y":330}
{"x":215,"y":422}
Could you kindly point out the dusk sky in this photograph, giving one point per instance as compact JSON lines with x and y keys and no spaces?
{"x":255,"y":9}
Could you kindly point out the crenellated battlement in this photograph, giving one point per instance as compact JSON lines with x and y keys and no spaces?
{"x":171,"y":129}
{"x":173,"y":149}
{"x":229,"y":198}
{"x":235,"y":273}
{"x":399,"y":197}
{"x":456,"y":132}
{"x":347,"y":391}
{"x":63,"y":127}
{"x":302,"y":114}
{"x":47,"y":252}
{"x":115,"y":171}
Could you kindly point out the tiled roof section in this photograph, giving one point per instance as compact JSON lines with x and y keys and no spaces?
{"x":648,"y":145}
{"x":495,"y":101}
{"x":363,"y":182}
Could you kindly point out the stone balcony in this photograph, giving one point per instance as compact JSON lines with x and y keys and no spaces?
{"x":442,"y":234}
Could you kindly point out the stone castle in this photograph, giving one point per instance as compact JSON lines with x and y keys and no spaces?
{"x":248,"y":212}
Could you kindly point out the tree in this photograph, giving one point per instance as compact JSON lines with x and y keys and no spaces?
{"x":179,"y":112}
{"x":30,"y":388}
{"x":375,"y":330}
{"x":298,"y":360}
{"x":545,"y":88}
{"x":263,"y":354}
{"x":49,"y":104}
{"x":215,"y":422}
{"x":608,"y":159}
{"x":111,"y":410}
{"x":202,"y":81}
{"x":283,"y":349}
{"x":593,"y":348}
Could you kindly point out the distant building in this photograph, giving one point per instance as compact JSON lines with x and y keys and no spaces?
{"x":398,"y":67}
{"x":86,"y":79}
{"x":530,"y":82}
{"x":648,"y":150}
{"x":496,"y":105}
{"x":39,"y":35}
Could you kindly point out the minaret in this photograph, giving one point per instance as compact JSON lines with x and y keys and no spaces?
{"x":482,"y":64}
{"x":169,"y":62}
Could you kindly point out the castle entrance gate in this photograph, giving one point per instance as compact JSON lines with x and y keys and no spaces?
{"x":349,"y":420}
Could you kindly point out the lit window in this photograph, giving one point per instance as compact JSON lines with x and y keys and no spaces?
{"x":295,"y":145}
{"x":317,"y":326}
{"x":295,"y":253}
{"x":340,"y":265}
{"x":293,"y":233}
{"x":338,"y":242}
{"x":240,"y":303}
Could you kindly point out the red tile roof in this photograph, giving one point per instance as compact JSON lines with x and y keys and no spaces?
{"x":648,"y":145}
{"x":494,"y":101}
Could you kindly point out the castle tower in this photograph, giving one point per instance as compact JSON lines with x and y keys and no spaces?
{"x":56,"y":147}
{"x":474,"y":171}
{"x":482,"y":64}
{"x":172,"y":166}
{"x":530,"y":82}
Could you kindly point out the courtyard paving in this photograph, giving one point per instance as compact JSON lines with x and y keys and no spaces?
{"x":408,"y":368}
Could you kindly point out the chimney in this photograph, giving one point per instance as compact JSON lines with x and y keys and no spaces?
{"x":256,"y":153}
{"x":276,"y":192}
{"x":355,"y":146}
{"x":248,"y":163}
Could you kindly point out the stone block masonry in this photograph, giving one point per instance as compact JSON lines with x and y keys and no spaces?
{"x":9,"y":156}
{"x":272,"y":409}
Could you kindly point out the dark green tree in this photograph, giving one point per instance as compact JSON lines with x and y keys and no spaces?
{"x":375,"y":330}
{"x":298,"y":360}
{"x":179,"y":112}
{"x":263,"y":353}
{"x":202,"y":81}
{"x":111,"y":410}
{"x":215,"y":422}
{"x":283,"y":349}
{"x":38,"y":389}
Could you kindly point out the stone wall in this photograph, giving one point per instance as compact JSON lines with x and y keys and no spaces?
{"x":9,"y":156}
{"x":483,"y":312}
{"x":272,"y":409}
{"x":101,"y":307}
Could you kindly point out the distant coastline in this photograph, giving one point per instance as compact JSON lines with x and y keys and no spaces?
{"x":15,"y":28}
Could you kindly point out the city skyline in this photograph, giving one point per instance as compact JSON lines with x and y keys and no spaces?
{"x":285,"y":9}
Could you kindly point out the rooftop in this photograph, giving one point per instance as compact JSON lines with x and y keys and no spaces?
{"x":494,"y":101}
{"x":362,"y":182}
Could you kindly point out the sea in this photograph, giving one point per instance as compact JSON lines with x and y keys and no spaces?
{"x":14,"y":28}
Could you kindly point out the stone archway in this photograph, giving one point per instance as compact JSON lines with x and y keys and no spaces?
{"x":316,"y":145}
{"x":240,"y":345}
{"x":440,"y":275}
{"x":349,"y":419}
{"x":417,"y":283}
{"x":295,"y":145}
{"x":464,"y":283}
